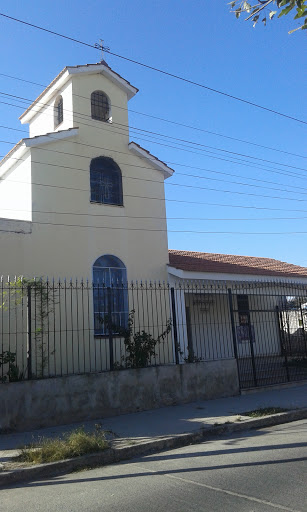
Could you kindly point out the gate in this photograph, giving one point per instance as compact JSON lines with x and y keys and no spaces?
{"x":269,"y":334}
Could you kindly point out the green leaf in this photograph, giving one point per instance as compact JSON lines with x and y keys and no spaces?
{"x":237,"y":14}
{"x":272,"y":14}
{"x":247,"y":7}
{"x":264,"y":21}
{"x":286,"y":10}
{"x":280,"y":3}
{"x":300,"y":13}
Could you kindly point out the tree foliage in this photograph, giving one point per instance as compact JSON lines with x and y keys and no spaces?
{"x":264,"y":8}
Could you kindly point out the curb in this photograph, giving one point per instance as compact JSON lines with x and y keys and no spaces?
{"x":113,"y":455}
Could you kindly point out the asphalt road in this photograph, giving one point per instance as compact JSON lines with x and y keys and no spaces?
{"x":259,"y":471}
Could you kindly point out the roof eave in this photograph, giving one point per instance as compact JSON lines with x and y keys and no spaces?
{"x":53,"y":88}
{"x":229,"y":276}
{"x":7,"y":162}
{"x":156,"y":163}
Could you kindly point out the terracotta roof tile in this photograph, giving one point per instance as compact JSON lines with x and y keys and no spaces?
{"x":232,"y":264}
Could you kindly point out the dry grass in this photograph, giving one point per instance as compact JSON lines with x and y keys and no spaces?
{"x":73,"y":444}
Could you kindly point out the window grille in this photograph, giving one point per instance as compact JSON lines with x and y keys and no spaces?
{"x":110,"y":292}
{"x":106,"y":181}
{"x":100,"y":106}
{"x":58,"y":112}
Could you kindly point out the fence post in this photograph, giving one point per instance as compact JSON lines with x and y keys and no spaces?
{"x":29,"y":333}
{"x":174,"y":316}
{"x":109,"y":296}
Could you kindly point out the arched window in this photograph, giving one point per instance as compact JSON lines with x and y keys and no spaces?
{"x":100,"y":106}
{"x":58,"y":111}
{"x":106,"y":181}
{"x":110,"y":294}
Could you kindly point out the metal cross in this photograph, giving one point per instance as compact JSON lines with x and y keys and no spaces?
{"x":100,"y":46}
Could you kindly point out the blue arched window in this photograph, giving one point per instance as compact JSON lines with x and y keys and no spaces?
{"x":110,"y":293}
{"x":106,"y":181}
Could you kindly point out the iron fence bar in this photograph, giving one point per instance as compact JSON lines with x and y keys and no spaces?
{"x":233,"y":327}
{"x":303,"y":328}
{"x":110,"y":329}
{"x":250,"y":333}
{"x":283,"y":348}
{"x":29,"y":332}
{"x":175,"y":332}
{"x":189,"y":335}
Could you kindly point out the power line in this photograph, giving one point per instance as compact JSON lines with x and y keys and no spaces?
{"x":162,"y":198}
{"x":151,"y":217}
{"x":172,"y":75}
{"x":236,"y":160}
{"x":172,"y":122}
{"x":189,"y":186}
{"x":193,"y":143}
{"x":172,"y":231}
{"x":172,"y":163}
{"x":76,"y":169}
{"x":187,"y":174}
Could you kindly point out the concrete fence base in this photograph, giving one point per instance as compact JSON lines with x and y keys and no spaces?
{"x":42,"y":403}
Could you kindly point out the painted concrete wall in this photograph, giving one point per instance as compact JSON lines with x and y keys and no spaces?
{"x":33,"y":404}
{"x":15,"y":191}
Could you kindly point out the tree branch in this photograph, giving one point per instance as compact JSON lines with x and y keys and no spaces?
{"x":267,"y":2}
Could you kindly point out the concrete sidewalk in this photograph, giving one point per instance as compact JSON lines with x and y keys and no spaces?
{"x":173,"y":422}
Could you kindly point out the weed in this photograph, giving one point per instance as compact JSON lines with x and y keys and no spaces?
{"x":73,"y":444}
{"x":264,"y":411}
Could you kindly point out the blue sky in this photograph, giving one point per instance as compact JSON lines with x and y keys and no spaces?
{"x":203,"y":42}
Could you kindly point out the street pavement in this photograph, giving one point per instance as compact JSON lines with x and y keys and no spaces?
{"x":256,"y":471}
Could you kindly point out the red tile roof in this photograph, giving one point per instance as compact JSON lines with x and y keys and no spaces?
{"x":232,"y":264}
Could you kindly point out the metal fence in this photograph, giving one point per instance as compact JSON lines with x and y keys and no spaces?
{"x":57,"y":328}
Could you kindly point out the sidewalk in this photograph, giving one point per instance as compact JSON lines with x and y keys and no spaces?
{"x":169,"y":423}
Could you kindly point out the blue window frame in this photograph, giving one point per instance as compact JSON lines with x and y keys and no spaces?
{"x":106,"y":181}
{"x":109,"y":283}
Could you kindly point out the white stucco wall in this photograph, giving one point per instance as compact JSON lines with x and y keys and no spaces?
{"x":43,"y":121}
{"x":15,"y":190}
